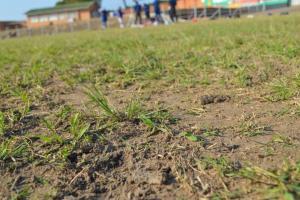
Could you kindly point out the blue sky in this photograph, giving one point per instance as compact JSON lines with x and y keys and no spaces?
{"x":15,"y":9}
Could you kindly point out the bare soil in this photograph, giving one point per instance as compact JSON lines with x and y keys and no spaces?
{"x":131,"y":163}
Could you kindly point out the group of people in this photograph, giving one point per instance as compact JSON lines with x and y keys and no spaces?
{"x":138,"y":10}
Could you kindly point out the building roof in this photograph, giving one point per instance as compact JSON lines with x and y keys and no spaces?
{"x":12,"y":22}
{"x":61,"y":8}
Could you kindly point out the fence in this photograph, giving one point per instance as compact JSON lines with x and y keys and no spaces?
{"x":213,"y":12}
{"x":95,"y":24}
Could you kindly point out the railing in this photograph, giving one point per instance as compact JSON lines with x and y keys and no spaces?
{"x":214,"y":12}
{"x":95,"y":24}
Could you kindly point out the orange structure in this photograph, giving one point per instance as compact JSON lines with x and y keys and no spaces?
{"x":189,"y":4}
{"x":182,"y":4}
{"x":241,"y":3}
{"x":62,"y":14}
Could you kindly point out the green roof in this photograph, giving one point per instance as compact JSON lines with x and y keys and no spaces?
{"x":61,"y":8}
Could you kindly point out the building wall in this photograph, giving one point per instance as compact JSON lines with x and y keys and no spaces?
{"x":183,"y":4}
{"x":53,"y":19}
{"x":241,"y":3}
{"x":295,"y":2}
{"x":41,"y":24}
{"x":274,"y":2}
{"x":61,"y":18}
{"x":84,"y":15}
{"x":189,"y":4}
{"x":164,"y":6}
{"x":2,"y":27}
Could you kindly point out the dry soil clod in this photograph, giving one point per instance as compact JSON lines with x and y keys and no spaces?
{"x":210,"y":99}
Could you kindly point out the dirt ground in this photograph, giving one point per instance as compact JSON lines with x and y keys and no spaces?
{"x":131,"y":163}
{"x":214,"y":115}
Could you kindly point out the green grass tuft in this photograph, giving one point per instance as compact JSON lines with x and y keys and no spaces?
{"x":101,"y":101}
{"x":282,"y":183}
{"x":280,"y":90}
{"x":78,"y":128}
{"x":11,"y":149}
{"x":2,"y":123}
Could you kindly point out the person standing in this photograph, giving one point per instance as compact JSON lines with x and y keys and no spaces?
{"x":157,"y":11}
{"x":104,"y":18}
{"x":120,"y":15}
{"x":147,"y":11}
{"x":138,"y":13}
{"x":173,"y":12}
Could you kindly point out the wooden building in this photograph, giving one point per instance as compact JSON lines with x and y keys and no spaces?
{"x":62,"y":14}
{"x":10,"y":25}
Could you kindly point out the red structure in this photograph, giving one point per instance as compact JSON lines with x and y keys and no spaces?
{"x":9,"y":25}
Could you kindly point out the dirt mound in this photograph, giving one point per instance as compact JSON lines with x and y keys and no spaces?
{"x":210,"y":99}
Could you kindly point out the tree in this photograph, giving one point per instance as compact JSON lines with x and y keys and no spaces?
{"x":62,"y":2}
{"x":125,"y":3}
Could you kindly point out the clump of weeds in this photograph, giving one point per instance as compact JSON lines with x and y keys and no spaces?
{"x":2,"y":123}
{"x":279,"y":138}
{"x":155,"y":120}
{"x":78,"y":128}
{"x":280,"y":90}
{"x":26,"y":102}
{"x":212,"y":133}
{"x":296,"y":80}
{"x":133,"y":110}
{"x":297,"y":111}
{"x":13,"y":149}
{"x":53,"y":137}
{"x":249,"y":127}
{"x":224,"y":169}
{"x":190,"y":136}
{"x":23,"y":193}
{"x":222,"y":165}
{"x":101,"y":101}
{"x":281,"y":183}
{"x":243,"y":78}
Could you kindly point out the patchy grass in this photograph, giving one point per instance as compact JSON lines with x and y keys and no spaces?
{"x":281,"y":90}
{"x":78,"y":128}
{"x":118,"y":114}
{"x":13,"y":149}
{"x":100,"y":100}
{"x":2,"y":123}
{"x":281,"y":183}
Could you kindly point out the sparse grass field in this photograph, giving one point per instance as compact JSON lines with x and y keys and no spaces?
{"x":191,"y":111}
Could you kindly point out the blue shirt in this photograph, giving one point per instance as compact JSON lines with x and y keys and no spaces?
{"x":137,"y":8}
{"x":156,"y":7}
{"x":104,"y":15}
{"x":146,"y":8}
{"x":120,"y":13}
{"x":173,"y":2}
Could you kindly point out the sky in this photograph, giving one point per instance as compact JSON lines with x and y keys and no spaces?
{"x":16,"y":9}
